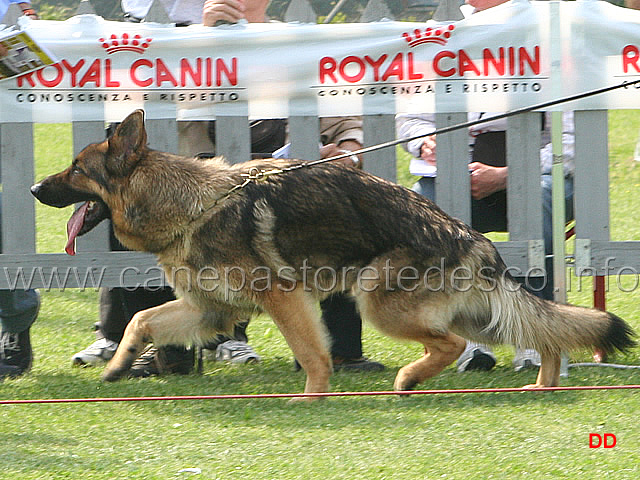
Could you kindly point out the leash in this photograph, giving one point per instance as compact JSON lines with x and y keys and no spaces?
{"x":256,"y":174}
{"x":458,"y":126}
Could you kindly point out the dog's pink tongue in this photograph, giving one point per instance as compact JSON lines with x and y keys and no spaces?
{"x":73,"y":227}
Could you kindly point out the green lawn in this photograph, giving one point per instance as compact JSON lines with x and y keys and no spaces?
{"x":513,"y":435}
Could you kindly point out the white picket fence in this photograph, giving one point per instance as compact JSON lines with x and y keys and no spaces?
{"x":95,"y":264}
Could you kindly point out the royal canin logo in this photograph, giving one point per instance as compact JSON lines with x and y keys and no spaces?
{"x":428,"y":35}
{"x":125,"y":43}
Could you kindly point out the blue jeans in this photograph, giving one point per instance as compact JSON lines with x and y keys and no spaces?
{"x":494,"y":220}
{"x":18,"y":308}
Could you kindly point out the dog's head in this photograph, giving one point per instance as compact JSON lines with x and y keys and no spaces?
{"x":95,"y":177}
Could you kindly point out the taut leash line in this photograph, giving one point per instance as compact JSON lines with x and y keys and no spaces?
{"x":255,"y":174}
{"x":458,"y":126}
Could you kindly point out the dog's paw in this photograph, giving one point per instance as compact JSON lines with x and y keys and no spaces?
{"x":113,"y":374}
{"x":534,"y":386}
{"x":303,"y":400}
{"x":404,"y":383}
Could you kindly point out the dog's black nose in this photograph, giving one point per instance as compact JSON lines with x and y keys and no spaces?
{"x":35,"y":189}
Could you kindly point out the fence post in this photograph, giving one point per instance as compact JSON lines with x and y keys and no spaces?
{"x":592,"y":174}
{"x":380,"y":128}
{"x":303,"y":132}
{"x":85,"y":8}
{"x":524,"y":193}
{"x":13,"y":13}
{"x":453,"y":188}
{"x":448,"y":10}
{"x":375,"y":11}
{"x":233,"y":139}
{"x":16,"y":171}
{"x":300,"y":11}
{"x":157,"y":13}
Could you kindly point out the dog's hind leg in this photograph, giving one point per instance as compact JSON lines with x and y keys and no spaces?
{"x":440,"y":351}
{"x":173,"y":322}
{"x":297,"y":316}
{"x":423,"y":317}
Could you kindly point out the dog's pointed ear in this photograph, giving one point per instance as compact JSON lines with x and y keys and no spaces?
{"x":127,"y":144}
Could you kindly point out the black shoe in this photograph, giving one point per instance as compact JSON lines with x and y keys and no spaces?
{"x":361,"y":364}
{"x":163,"y":360}
{"x":480,"y":358}
{"x":9,"y":371}
{"x":16,"y":355}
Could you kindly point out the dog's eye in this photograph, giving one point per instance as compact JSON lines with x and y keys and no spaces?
{"x":75,"y":170}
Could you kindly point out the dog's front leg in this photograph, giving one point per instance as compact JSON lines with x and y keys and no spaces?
{"x":296,"y":315}
{"x":174,"y":322}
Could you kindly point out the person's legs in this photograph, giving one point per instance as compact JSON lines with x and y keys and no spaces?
{"x":155,"y":361}
{"x":490,"y":215}
{"x":234,"y":349}
{"x":344,"y":325}
{"x":113,"y":319}
{"x":343,"y":322}
{"x":18,"y":310}
{"x":543,"y":286}
{"x":426,"y":187}
{"x":476,"y":356}
{"x":117,"y":307}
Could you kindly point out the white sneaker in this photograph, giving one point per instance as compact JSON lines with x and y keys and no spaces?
{"x":476,"y":357}
{"x":234,"y":351}
{"x":527,"y":358}
{"x":98,"y":352}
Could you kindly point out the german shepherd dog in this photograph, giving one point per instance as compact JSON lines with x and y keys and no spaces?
{"x":281,"y":244}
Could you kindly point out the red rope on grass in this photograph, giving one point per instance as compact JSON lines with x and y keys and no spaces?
{"x":319,"y":395}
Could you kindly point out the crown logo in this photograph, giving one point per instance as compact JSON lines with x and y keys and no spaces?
{"x":428,"y":35}
{"x":125,"y":43}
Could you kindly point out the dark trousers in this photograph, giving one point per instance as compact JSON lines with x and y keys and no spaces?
{"x":119,"y":305}
{"x":343,"y":322}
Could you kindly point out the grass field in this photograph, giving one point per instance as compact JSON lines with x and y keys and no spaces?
{"x":506,"y":436}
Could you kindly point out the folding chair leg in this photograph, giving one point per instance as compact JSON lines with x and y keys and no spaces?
{"x":599,"y":302}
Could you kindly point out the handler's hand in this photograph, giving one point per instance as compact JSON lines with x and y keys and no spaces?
{"x":230,"y":11}
{"x":486,"y":179}
{"x":428,"y":150}
{"x":333,"y":150}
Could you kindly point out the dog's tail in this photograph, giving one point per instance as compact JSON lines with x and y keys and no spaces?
{"x":524,"y":320}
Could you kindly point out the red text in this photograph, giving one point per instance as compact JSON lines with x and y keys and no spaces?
{"x":504,"y":61}
{"x":630,"y":57}
{"x":142,"y":73}
{"x":607,"y":440}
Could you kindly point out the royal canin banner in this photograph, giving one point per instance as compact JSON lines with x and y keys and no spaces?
{"x":515,"y":55}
